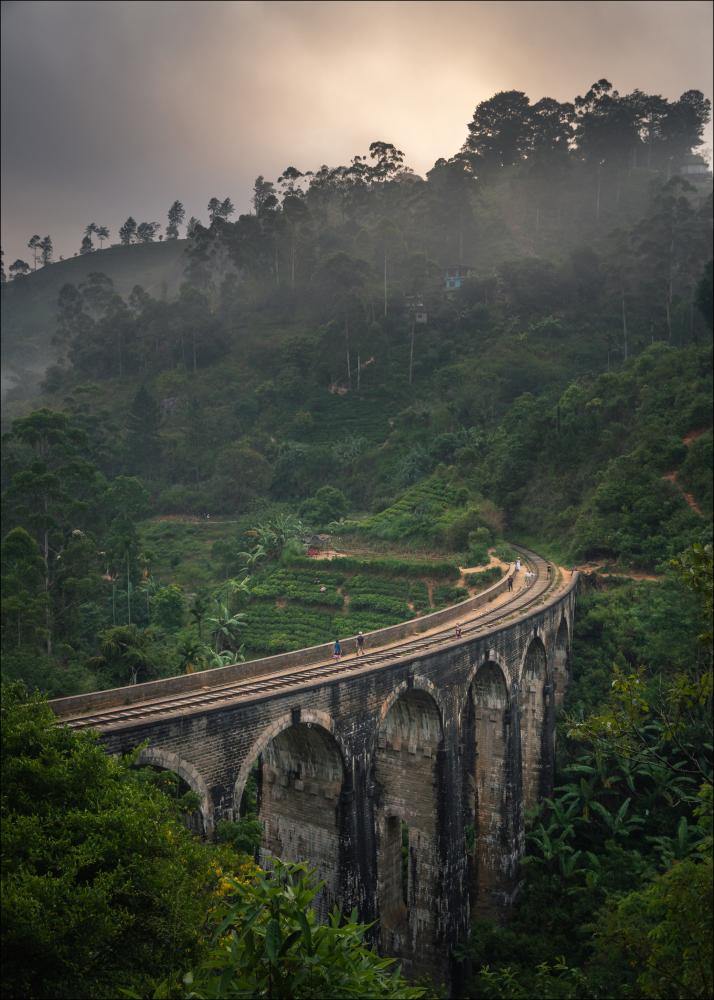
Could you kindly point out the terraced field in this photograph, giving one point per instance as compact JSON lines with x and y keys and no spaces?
{"x":304,"y":605}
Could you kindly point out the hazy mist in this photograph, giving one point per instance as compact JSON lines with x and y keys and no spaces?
{"x":111,"y":109}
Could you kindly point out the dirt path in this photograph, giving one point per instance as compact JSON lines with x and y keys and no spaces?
{"x":191,"y":519}
{"x":673,"y":477}
{"x":464,"y":570}
{"x":629,"y":574}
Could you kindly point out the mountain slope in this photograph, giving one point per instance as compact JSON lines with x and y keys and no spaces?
{"x":29,"y":306}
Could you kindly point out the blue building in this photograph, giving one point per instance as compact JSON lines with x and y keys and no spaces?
{"x":455,"y":276}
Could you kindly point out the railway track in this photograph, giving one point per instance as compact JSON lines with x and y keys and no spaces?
{"x":541,"y":583}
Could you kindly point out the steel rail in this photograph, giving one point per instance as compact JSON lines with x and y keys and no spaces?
{"x":524,"y":599}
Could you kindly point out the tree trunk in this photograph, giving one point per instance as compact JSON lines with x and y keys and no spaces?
{"x":411,"y":354}
{"x":347,"y":348}
{"x":625,"y":347}
{"x":46,"y":557}
{"x":668,"y":310}
{"x":385,"y":282}
{"x":128,"y":588}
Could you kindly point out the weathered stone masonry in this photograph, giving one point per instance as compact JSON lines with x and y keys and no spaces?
{"x":446,"y":750}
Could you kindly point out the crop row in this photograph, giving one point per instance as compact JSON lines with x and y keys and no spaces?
{"x":387,"y":567}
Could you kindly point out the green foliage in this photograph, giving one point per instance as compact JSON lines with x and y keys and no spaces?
{"x":101,"y":883}
{"x":484,"y":578}
{"x":328,"y":504}
{"x":267,"y":943}
{"x":168,"y":608}
{"x":244,"y":835}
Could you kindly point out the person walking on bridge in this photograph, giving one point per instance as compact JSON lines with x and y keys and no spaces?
{"x":337,"y":651}
{"x":510,"y":583}
{"x":360,"y":644}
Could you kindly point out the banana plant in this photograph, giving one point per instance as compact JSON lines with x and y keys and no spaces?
{"x":618,"y":824}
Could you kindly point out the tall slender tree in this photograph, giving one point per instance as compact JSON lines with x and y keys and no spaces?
{"x":34,"y":245}
{"x":127,"y":232}
{"x":46,"y":250}
{"x":177,"y":213}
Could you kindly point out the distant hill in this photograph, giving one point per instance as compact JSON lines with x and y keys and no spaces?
{"x":30,"y":304}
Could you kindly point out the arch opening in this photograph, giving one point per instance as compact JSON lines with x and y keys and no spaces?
{"x":486,"y":758}
{"x":406,"y":780}
{"x":295,"y":787}
{"x":532,"y":712}
{"x":184,"y":783}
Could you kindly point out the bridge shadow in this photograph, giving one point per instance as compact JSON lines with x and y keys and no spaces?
{"x":486,"y":740}
{"x":409,"y":877}
{"x":300,"y":780}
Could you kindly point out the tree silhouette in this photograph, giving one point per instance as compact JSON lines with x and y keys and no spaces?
{"x":127,"y":232}
{"x":19,"y":269}
{"x":34,"y":245}
{"x":177,"y":214}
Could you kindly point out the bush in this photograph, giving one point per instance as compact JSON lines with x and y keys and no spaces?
{"x":478,"y":555}
{"x":102,"y":885}
{"x":328,"y":504}
{"x":267,"y":942}
{"x":483,"y":580}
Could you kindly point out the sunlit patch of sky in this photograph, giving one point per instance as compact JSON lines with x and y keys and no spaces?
{"x":117,"y":108}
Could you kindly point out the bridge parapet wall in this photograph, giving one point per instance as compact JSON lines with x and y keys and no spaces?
{"x":87,"y":704}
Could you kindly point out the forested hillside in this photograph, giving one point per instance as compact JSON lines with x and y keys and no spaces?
{"x":516,"y":347}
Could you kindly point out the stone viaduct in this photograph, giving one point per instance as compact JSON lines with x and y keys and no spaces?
{"x":405,"y":784}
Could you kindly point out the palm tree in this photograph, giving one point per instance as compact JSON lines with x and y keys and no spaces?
{"x":226,"y":658}
{"x":34,"y":245}
{"x":192,"y":655}
{"x":225,"y":627}
{"x":251,"y":558}
{"x":102,"y":234}
{"x":126,"y":647}
{"x":198,"y":611}
{"x":233,"y":588}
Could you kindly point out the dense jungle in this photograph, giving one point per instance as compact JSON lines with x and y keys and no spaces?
{"x":415,"y":373}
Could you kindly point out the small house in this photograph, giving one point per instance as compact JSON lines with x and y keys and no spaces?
{"x":317,"y":544}
{"x":455,"y":276}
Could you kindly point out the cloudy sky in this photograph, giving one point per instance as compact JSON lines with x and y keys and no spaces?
{"x":111,"y":109}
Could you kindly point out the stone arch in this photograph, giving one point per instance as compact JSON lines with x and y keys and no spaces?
{"x":406,"y":773}
{"x":308,"y":716}
{"x":169,"y":761}
{"x":301,"y":777}
{"x":486,"y":746}
{"x":561,"y":661}
{"x":416,"y":682}
{"x":532,"y":697}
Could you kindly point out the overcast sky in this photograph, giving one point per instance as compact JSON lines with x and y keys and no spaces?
{"x":111,"y":109}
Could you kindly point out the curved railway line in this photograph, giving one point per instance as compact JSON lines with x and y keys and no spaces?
{"x":539,"y":586}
